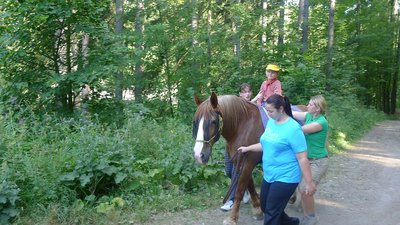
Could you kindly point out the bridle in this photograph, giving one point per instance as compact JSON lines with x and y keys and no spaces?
{"x":218,"y":134}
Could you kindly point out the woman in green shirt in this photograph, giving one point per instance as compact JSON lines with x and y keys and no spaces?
{"x":315,"y":129}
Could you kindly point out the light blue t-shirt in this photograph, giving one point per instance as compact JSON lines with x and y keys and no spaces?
{"x":280,"y":143}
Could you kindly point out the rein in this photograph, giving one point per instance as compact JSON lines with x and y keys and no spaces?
{"x":237,"y":172}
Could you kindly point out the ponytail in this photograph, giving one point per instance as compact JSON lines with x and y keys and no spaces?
{"x":287,"y":107}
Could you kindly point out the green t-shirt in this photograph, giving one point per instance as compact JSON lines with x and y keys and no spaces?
{"x":316,"y":147}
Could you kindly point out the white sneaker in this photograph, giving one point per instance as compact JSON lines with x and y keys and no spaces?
{"x":227,"y":206}
{"x":308,"y":220}
{"x":246,"y":197}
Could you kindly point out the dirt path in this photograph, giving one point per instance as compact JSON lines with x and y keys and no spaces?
{"x":361,"y":187}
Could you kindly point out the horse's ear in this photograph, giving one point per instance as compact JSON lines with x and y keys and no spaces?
{"x":214,"y":100}
{"x":197,"y":100}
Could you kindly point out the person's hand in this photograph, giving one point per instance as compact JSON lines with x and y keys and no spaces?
{"x":310,"y":189}
{"x":258,"y":96}
{"x":243,"y":149}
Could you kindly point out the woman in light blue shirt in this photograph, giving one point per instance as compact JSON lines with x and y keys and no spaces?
{"x":284,"y":161}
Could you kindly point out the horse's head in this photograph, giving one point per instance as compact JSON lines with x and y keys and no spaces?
{"x":206,"y":127}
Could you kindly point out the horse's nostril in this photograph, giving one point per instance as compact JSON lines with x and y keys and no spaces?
{"x":201,"y":155}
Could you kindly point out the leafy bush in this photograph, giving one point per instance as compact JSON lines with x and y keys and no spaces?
{"x":95,"y":174}
{"x":8,"y":197}
{"x":58,"y":162}
{"x":349,"y":120}
{"x":300,"y":82}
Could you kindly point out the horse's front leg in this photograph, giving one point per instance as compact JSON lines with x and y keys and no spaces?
{"x":245,"y":181}
{"x":234,"y":214}
{"x":255,"y":200}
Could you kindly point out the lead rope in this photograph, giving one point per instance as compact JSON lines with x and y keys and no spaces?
{"x":237,"y":172}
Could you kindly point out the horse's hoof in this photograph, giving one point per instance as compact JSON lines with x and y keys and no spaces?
{"x":229,"y":221}
{"x":258,"y":214}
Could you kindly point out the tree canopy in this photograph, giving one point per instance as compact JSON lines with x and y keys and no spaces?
{"x":161,"y":52}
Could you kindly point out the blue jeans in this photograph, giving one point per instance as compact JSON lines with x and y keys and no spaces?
{"x":273,"y":199}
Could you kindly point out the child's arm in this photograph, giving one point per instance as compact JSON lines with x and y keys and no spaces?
{"x":278,"y":88}
{"x":258,"y":96}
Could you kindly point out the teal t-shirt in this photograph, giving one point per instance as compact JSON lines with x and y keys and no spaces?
{"x":316,"y":141}
{"x":280,"y":143}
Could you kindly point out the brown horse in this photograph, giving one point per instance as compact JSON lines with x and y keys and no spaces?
{"x":239,"y":122}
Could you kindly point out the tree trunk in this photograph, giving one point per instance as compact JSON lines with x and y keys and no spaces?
{"x":168,"y":73}
{"x":281,"y":27}
{"x":301,"y":9}
{"x":194,"y":26}
{"x":209,"y":42}
{"x":139,"y":28}
{"x":386,"y":90}
{"x":85,"y":90}
{"x":304,"y":11}
{"x":329,"y":62}
{"x":264,"y":24}
{"x":119,"y":26}
{"x":236,"y":39}
{"x":68,"y":93}
{"x":393,"y":93}
{"x":57,"y":70}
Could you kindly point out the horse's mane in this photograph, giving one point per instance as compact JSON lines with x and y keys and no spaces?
{"x":233,"y":108}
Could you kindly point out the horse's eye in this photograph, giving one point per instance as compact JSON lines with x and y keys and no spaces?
{"x":215,"y":121}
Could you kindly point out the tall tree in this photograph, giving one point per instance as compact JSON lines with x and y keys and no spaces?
{"x":396,"y":69}
{"x":236,"y":38}
{"x":119,"y":26}
{"x":85,"y":90}
{"x":281,"y":25}
{"x":264,"y":24}
{"x":139,"y":28}
{"x":209,"y":38}
{"x":331,"y":32}
{"x":194,"y":26}
{"x":303,"y":22}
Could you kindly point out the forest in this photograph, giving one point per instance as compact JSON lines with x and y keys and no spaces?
{"x":96,"y":97}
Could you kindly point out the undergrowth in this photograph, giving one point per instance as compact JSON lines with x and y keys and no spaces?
{"x":348,"y":121}
{"x":68,"y":171}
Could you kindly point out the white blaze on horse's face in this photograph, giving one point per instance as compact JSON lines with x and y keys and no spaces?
{"x":198,"y":147}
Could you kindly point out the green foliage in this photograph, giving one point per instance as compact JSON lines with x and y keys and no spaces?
{"x":348,"y":121}
{"x":143,"y":152}
{"x":302,"y":81}
{"x":148,"y":163}
{"x":59,"y":160}
{"x":9,"y":195}
{"x":96,"y":174}
{"x":104,"y":110}
{"x":108,"y":206}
